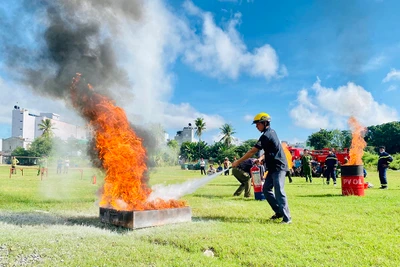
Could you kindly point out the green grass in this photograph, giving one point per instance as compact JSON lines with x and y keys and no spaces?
{"x":55,"y":222}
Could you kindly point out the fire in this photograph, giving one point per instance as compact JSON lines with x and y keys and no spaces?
{"x":121,"y":152}
{"x":288,"y":155}
{"x":357,"y":142}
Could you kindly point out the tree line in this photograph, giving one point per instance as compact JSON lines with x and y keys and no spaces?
{"x":387,"y":134}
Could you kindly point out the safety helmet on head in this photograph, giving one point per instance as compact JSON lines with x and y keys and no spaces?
{"x":261,"y":117}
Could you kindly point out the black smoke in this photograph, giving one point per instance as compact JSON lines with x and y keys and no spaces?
{"x":66,"y":37}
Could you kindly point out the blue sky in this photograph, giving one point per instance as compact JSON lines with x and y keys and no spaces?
{"x":309,"y":64}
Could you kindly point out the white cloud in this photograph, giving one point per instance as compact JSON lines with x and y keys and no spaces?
{"x":248,"y":118}
{"x":221,"y":52}
{"x":177,"y":116}
{"x":235,"y":141}
{"x":323,"y":107}
{"x":374,"y":63}
{"x":392,"y":75}
{"x":391,"y":88}
{"x":15,"y":94}
{"x":147,"y":48}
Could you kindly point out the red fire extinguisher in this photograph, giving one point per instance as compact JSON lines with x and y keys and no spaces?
{"x":257,"y":182}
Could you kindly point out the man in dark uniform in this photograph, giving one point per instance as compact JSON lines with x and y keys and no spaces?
{"x":383,"y":164}
{"x":276,"y":164}
{"x":331,"y":163}
{"x":242,"y":174}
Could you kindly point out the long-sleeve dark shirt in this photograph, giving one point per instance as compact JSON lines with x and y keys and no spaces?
{"x":384,"y":160}
{"x":275,"y":158}
{"x":331,"y":161}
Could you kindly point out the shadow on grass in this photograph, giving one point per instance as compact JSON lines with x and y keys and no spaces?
{"x":210,"y":196}
{"x":211,"y":184}
{"x":231,"y":219}
{"x":44,"y":218}
{"x":322,"y":195}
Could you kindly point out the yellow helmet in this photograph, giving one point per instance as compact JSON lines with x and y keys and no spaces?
{"x":261,"y":117}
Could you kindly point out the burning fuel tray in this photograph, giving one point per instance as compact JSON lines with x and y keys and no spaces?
{"x":145,"y":218}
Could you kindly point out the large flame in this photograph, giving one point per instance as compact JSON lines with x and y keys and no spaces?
{"x":357,"y":142}
{"x":121,"y":152}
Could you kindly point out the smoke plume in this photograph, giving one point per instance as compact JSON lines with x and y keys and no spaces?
{"x":71,"y":36}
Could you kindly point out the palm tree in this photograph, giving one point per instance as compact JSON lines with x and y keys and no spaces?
{"x":227,"y":131}
{"x":47,"y":127}
{"x":201,"y":126}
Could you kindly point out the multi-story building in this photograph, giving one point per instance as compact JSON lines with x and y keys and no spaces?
{"x":25,"y":128}
{"x":186,"y":135}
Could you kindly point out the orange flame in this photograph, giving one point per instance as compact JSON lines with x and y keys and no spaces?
{"x":357,"y":142}
{"x":288,"y":155}
{"x":120,"y":151}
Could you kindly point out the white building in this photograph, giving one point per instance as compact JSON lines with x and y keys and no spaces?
{"x":186,"y":135}
{"x":25,"y":128}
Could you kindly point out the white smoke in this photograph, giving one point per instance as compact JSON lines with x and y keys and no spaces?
{"x":176,"y":191}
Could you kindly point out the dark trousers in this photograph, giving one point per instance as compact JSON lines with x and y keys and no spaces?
{"x":277,"y":199}
{"x":244,"y":180}
{"x":331,"y":172}
{"x":202,"y":169}
{"x":382,"y":176}
{"x":289,"y":175}
{"x":307,"y":172}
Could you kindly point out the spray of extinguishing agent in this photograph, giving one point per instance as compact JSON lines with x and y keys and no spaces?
{"x":257,"y":179}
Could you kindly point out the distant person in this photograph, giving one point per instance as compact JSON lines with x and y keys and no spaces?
{"x":276,"y":163}
{"x":202,"y":166}
{"x":243,"y":175}
{"x":383,"y":163}
{"x":59,"y":165}
{"x":289,"y":158}
{"x":45,"y":164}
{"x":297,"y":167}
{"x":14,"y":162}
{"x":306,"y":160}
{"x":331,"y":163}
{"x":66,"y":165}
{"x":220,"y":169}
{"x":40,"y":166}
{"x":227,"y":164}
{"x":211,"y":170}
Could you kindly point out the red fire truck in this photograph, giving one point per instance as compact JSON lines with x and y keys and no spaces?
{"x":320,"y":155}
{"x":296,"y":152}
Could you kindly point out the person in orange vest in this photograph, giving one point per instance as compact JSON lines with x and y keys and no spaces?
{"x":277,"y":166}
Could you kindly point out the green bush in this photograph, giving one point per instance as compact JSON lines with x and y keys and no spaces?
{"x":395,"y":165}
{"x":370,"y":159}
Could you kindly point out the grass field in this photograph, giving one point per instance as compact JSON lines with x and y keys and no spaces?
{"x":55,"y":222}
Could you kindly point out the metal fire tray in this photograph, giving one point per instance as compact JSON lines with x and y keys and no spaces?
{"x":145,"y":218}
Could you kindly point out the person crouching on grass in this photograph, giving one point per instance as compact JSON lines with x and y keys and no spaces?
{"x":242,"y":174}
{"x":276,"y":164}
